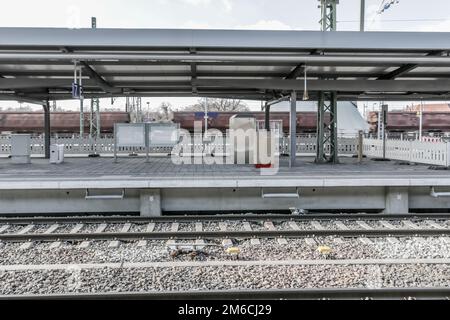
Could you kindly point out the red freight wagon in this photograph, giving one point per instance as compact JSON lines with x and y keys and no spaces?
{"x":306,"y":121}
{"x":410,"y":121}
{"x":61,"y":122}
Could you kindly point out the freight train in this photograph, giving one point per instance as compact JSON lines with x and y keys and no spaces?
{"x":306,"y":121}
{"x":69,"y":122}
{"x":409,"y":122}
{"x":61,"y":122}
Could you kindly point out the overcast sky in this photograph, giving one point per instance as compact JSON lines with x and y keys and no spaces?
{"x":407,"y":15}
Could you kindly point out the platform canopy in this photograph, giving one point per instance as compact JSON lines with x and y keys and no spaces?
{"x":37,"y":64}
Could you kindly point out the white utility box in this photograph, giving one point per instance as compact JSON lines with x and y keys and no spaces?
{"x":244,"y":139}
{"x":57,"y":153}
{"x":21,"y":148}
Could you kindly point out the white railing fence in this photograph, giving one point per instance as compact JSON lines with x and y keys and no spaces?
{"x":306,"y":144}
{"x":433,"y":152}
{"x":426,"y":152}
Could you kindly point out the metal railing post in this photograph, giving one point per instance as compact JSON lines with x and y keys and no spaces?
{"x":448,"y":154}
{"x":360,"y":146}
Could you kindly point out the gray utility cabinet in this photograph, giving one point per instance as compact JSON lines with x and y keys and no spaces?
{"x":21,"y":148}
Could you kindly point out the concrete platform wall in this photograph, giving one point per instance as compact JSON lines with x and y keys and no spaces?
{"x":63,"y":201}
{"x":420,"y":199}
{"x":248,"y":199}
{"x":153,"y":202}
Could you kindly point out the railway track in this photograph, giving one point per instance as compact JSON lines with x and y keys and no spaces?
{"x":132,"y":236}
{"x":233,"y":217}
{"x":299,"y":294}
{"x":275,"y":252}
{"x":221,"y":227}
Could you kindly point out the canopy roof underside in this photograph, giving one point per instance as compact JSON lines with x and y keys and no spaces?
{"x":38,"y":64}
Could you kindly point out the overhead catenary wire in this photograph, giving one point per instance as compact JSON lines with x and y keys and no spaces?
{"x":384,"y":5}
{"x":395,"y":20}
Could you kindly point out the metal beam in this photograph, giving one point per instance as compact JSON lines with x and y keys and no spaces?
{"x":220,"y":74}
{"x":398,"y":72}
{"x":88,"y":70}
{"x":245,"y":96}
{"x":296,"y":72}
{"x":102,"y":83}
{"x":250,"y":96}
{"x":281,"y":99}
{"x":16,"y":97}
{"x":381,"y":86}
{"x":268,"y":59}
{"x":220,"y":39}
{"x":405,"y":68}
{"x":27,"y":83}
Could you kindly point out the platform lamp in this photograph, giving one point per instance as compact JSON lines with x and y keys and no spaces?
{"x":305,"y":93}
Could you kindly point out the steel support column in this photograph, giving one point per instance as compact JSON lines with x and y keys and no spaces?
{"x":327,"y":101}
{"x":328,"y":15}
{"x":47,"y":131}
{"x":267,"y":117}
{"x":320,"y":151}
{"x":94,"y":126}
{"x":362,"y":18}
{"x":327,"y":138}
{"x":267,"y":109}
{"x":81,"y":117}
{"x":293,"y":129}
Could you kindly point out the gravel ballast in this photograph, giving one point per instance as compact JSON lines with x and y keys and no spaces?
{"x":296,"y":249}
{"x":222,"y":278}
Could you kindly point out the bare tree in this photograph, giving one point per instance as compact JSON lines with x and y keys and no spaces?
{"x":60,"y":109}
{"x":219,"y":105}
{"x":20,"y":108}
{"x":163,"y":113}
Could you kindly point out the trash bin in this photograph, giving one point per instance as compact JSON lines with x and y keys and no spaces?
{"x":21,"y":148}
{"x":56,"y":153}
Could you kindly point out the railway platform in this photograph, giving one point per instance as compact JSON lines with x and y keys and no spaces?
{"x":151,"y":189}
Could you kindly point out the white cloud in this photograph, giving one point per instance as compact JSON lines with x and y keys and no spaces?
{"x":226,"y":4}
{"x":266,"y":25}
{"x":196,"y":25}
{"x":197,"y":2}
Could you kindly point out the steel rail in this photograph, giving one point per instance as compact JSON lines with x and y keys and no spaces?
{"x":288,"y":294}
{"x":212,"y":218}
{"x":132,"y":236}
{"x":269,"y":58}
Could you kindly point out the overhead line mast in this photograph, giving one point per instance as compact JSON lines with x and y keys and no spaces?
{"x":327,"y":139}
{"x":94,"y":119}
